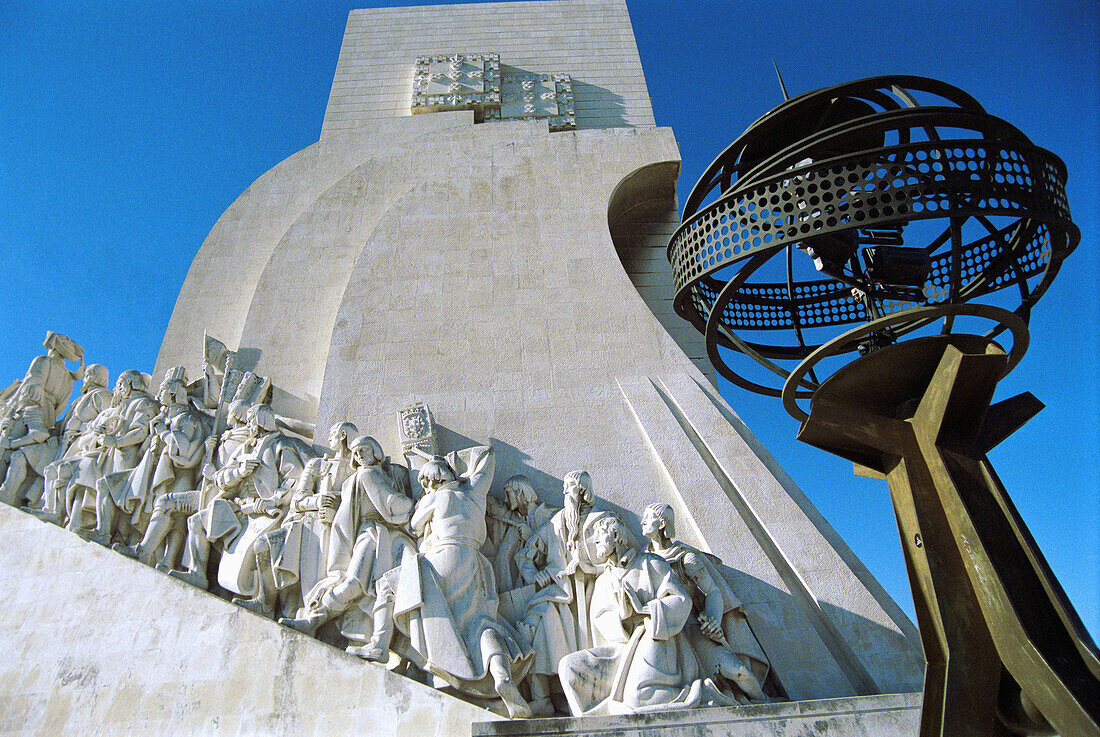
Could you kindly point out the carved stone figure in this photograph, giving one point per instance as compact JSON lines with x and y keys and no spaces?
{"x":557,"y":588}
{"x":170,"y":462}
{"x":171,"y":457}
{"x":443,"y":600}
{"x":50,"y":373}
{"x":254,"y":488}
{"x":172,"y":509}
{"x":639,"y":609}
{"x":30,"y":447}
{"x":291,"y":558}
{"x":510,"y":525}
{"x":94,"y":398}
{"x":719,"y":632}
{"x":366,"y":541}
{"x":115,"y":446}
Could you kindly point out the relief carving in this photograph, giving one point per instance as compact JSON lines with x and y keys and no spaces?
{"x":524,"y":608}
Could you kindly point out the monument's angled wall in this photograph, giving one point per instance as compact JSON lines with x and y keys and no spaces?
{"x":95,"y":644}
{"x":219,"y":287}
{"x":134,"y":652}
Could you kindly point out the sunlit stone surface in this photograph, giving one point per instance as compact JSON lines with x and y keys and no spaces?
{"x":507,"y":270}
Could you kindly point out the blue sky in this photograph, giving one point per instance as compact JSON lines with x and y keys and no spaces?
{"x":126,"y":129}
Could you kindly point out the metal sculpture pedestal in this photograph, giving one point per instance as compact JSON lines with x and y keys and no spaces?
{"x":1007,"y":653}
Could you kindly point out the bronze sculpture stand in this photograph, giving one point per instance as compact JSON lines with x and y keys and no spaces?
{"x":1007,"y":653}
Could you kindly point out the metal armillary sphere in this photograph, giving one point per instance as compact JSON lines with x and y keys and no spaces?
{"x":904,"y":193}
{"x":848,"y":242}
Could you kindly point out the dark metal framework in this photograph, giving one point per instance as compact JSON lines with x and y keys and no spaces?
{"x":854,"y":175}
{"x":871,"y":163}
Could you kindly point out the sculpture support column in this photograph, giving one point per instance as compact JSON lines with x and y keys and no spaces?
{"x":1006,"y":652}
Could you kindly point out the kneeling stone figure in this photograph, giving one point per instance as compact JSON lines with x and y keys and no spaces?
{"x":639,"y":609}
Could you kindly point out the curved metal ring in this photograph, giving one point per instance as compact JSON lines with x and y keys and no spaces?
{"x":1020,"y":340}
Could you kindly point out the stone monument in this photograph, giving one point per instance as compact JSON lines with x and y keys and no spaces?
{"x":469,"y":267}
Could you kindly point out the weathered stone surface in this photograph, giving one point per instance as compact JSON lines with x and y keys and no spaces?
{"x":96,"y":644}
{"x":511,"y":278}
{"x":894,"y":715}
{"x":480,"y":268}
{"x":590,"y":40}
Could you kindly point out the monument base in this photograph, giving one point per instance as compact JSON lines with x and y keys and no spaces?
{"x":886,"y":715}
{"x":121,"y":648}
{"x":95,"y":643}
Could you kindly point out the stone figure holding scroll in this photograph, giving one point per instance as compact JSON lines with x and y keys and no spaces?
{"x":639,"y":609}
{"x":443,"y":600}
{"x":719,"y":632}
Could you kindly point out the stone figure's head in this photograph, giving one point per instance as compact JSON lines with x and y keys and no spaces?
{"x":260,"y":420}
{"x":129,"y":381}
{"x":578,"y":485}
{"x":237,"y":413}
{"x":341,"y":435}
{"x":659,"y":521}
{"x":611,"y":539}
{"x":176,"y":373}
{"x":435,"y":473}
{"x":520,"y":493}
{"x":365,"y":451}
{"x":579,"y":498}
{"x":95,"y":377}
{"x":172,"y":392}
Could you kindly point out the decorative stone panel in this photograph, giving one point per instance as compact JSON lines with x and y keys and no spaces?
{"x":474,"y":82}
{"x":457,"y":82}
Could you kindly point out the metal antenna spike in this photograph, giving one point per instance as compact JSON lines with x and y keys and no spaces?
{"x":782,"y":86}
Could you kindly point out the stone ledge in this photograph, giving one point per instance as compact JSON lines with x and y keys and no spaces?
{"x":873,"y":716}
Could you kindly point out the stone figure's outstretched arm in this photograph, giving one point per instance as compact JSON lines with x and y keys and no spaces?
{"x":79,"y":373}
{"x":483,"y":463}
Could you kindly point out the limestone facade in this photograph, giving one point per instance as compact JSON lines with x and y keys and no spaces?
{"x":511,"y":278}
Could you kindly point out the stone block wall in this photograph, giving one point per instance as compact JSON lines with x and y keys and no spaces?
{"x":590,"y":40}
